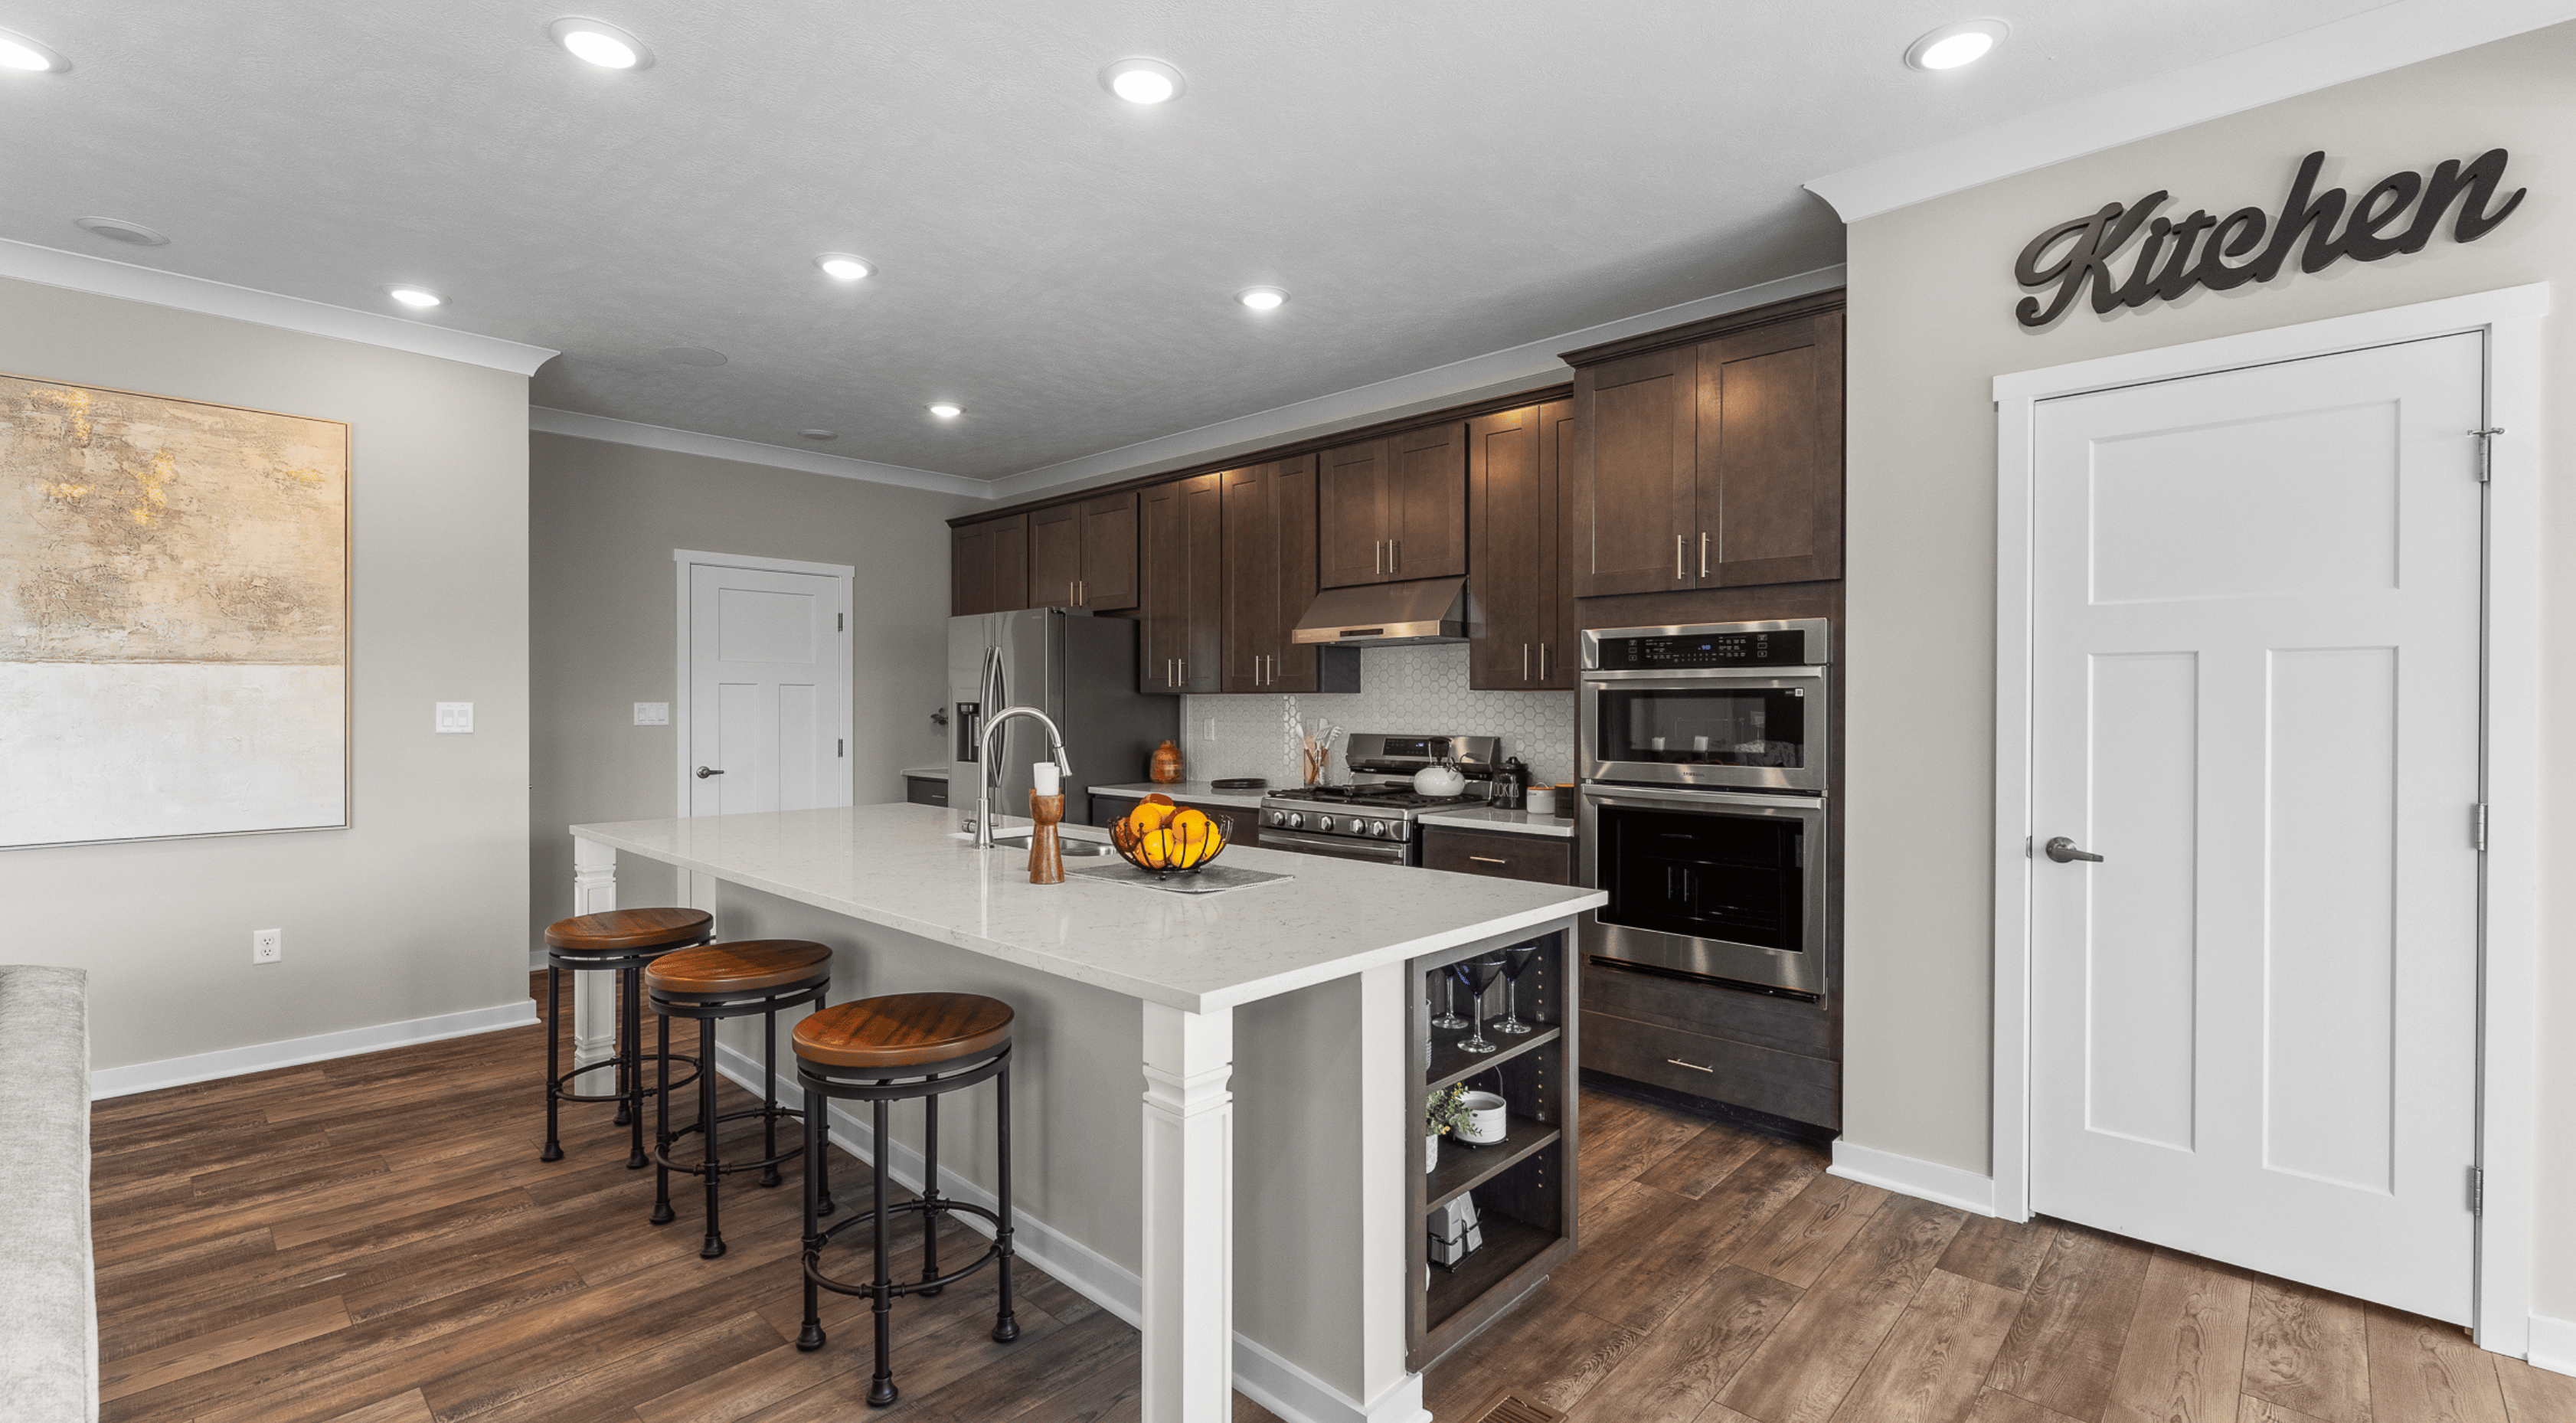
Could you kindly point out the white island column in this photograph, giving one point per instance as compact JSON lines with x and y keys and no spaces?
{"x":594,"y":995}
{"x":1189,"y":1216}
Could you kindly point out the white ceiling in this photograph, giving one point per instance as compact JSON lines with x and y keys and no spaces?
{"x":1430,"y":179}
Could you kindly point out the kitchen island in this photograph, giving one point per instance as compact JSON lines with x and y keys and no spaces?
{"x":1275,"y":1028}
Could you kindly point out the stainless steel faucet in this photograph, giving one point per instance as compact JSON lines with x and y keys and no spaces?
{"x":989,"y":772}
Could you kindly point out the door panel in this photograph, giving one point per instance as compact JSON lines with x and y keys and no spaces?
{"x":766,"y":690}
{"x":2256,"y":694}
{"x":1556,"y":651}
{"x":1251,"y":574}
{"x":1351,"y":517}
{"x":1162,"y":633}
{"x":1634,"y":473}
{"x":1202,"y":585}
{"x":1426,"y":503}
{"x":970,"y":569}
{"x":1298,"y":667}
{"x":1055,"y":555}
{"x":1010,"y":564}
{"x":1770,"y":454}
{"x":1513,"y":595}
{"x":1109,"y":538}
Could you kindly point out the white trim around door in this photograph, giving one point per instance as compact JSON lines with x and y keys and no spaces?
{"x":2510,"y":320}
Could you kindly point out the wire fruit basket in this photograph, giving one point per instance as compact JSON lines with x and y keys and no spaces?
{"x":1175,"y":841}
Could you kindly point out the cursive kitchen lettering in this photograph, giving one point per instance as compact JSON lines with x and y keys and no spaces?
{"x":2173,"y":257}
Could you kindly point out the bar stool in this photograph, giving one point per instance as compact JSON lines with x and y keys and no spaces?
{"x":886,"y":1050}
{"x":728,"y":981}
{"x":622,"y":941}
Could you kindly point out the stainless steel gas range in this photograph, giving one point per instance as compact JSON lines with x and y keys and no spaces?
{"x":1378,"y":816}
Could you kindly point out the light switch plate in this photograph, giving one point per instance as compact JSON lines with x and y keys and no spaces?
{"x":652,"y":713}
{"x":456,"y":716}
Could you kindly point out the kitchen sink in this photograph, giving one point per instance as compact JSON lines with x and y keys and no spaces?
{"x":1073,"y":849}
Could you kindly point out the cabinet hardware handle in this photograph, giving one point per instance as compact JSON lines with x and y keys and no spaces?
{"x":1703,"y":553}
{"x":1542,"y":661}
{"x":1377,"y":556}
{"x":1693,"y":1066}
{"x":1485,"y":860}
{"x":1524,"y":661}
{"x":1679,"y":540}
{"x":1394,"y":555}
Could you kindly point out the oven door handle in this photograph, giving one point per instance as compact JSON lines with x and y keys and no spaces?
{"x":1601,"y":793}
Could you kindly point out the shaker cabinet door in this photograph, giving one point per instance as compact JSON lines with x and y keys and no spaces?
{"x":1556,"y":650}
{"x":1512,"y":577}
{"x":1770,"y":467}
{"x":1426,"y":503}
{"x":1351,"y":515}
{"x":1055,"y":556}
{"x":970,"y":569}
{"x":1251,"y":575}
{"x":1010,"y":564}
{"x":1634,"y":473}
{"x":1109,"y":539}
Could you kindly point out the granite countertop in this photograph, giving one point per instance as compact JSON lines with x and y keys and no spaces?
{"x":1512,"y":822}
{"x":903,"y":867}
{"x":935,"y":772}
{"x":1199,"y":791}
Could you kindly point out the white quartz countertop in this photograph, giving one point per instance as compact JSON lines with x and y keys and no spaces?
{"x":903,"y":867}
{"x":1199,"y":791}
{"x":940,"y":772}
{"x":1511,"y":822}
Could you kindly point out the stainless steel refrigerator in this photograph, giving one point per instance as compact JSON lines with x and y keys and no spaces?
{"x":1077,"y":668}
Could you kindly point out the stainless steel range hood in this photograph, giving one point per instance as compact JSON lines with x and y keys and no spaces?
{"x":1387,"y":614}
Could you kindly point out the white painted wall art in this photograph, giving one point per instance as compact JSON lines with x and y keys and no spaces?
{"x":174,"y":629}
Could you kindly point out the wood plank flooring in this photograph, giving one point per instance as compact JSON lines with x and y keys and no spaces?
{"x":373,"y":1240}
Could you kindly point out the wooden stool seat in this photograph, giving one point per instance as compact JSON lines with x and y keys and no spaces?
{"x":626,"y":930}
{"x":746,"y":967}
{"x":904,"y":1030}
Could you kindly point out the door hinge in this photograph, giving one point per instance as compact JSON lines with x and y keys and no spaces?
{"x":2477,"y":1190}
{"x":840,"y":746}
{"x":2486,"y":451}
{"x":840,"y":622}
{"x":2478,"y":827}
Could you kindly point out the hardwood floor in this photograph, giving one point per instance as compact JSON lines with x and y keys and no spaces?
{"x":372,"y":1240}
{"x":1724,"y":1278}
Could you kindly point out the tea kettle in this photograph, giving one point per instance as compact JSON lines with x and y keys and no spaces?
{"x":1444,"y":779}
{"x":1510,"y":785}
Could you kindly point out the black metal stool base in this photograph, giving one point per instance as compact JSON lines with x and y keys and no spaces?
{"x":628,"y":1059}
{"x":708,"y":1008}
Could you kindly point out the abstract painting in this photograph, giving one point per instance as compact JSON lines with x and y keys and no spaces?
{"x":174,"y":617}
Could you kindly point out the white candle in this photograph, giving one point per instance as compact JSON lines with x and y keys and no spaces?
{"x":1047,"y":782}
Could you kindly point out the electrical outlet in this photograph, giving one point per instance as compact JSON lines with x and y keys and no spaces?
{"x":652,"y":713}
{"x":267,"y":945}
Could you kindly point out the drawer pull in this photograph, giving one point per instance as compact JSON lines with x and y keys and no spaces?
{"x":1693,"y":1066}
{"x":1486,"y":860}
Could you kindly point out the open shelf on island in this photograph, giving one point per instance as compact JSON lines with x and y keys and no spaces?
{"x":1464,"y":1168}
{"x":1451,"y":1063}
{"x":1509,"y":1244}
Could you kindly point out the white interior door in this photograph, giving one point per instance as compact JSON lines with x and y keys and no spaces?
{"x":2255,"y":691}
{"x":767,"y":690}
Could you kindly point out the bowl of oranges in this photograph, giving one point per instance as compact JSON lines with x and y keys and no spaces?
{"x":1165,"y":838}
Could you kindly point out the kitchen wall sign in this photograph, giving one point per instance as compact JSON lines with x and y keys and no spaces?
{"x":2175,"y":257}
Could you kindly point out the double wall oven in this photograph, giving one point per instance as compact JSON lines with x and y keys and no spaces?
{"x":1703,"y":758}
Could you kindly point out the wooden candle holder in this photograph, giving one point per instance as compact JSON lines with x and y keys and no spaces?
{"x":1046,"y":850}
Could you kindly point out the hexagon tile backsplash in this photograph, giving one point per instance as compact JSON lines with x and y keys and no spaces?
{"x":1404,"y":690}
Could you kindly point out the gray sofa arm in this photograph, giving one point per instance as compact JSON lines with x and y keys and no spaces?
{"x":48,"y":1293}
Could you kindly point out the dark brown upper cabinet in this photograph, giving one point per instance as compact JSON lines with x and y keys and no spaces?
{"x":1181,"y":637}
{"x":1522,"y":634}
{"x":1270,"y":512}
{"x":1083,"y":554}
{"x":1395,"y":508}
{"x":988,"y":566}
{"x":1715,"y":463}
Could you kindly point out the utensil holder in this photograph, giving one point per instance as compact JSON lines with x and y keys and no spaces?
{"x":1046,"y":850}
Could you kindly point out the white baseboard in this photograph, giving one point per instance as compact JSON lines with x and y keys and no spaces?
{"x":1910,"y":1177}
{"x":294,"y":1052}
{"x":2553,"y":1344}
{"x":1267,"y":1379}
{"x":536,"y":960}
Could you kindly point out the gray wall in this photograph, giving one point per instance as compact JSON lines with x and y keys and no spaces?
{"x":1931,"y":325}
{"x":413,"y":911}
{"x":604,"y":633}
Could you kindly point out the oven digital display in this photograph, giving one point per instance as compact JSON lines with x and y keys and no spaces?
{"x":1786,"y":648}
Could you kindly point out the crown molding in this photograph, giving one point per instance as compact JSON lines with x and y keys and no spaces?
{"x":2356,"y":47}
{"x":1532,"y":363}
{"x":547,"y":420}
{"x":102,"y":276}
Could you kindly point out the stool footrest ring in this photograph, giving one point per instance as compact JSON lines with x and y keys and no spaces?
{"x":662,"y":1157}
{"x":563,"y":1093}
{"x":814,"y":1250}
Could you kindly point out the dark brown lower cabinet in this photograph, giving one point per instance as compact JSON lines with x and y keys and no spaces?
{"x":926,"y":790}
{"x":1500,"y":854}
{"x":1729,"y":1045}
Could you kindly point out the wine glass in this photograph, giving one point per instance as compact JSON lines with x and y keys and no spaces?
{"x":1449,"y":1013}
{"x":1478,"y":974}
{"x":1516,"y":959}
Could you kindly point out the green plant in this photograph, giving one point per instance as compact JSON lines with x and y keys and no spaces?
{"x":1445,"y":1111}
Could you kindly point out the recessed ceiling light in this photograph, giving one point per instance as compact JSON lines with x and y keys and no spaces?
{"x":844,"y":266}
{"x":416,"y":296}
{"x":117,"y":229}
{"x":946,"y":411}
{"x":1262,"y":298}
{"x":1143,"y":81}
{"x":19,"y":52}
{"x":819,"y":434}
{"x":1952,"y":46}
{"x":600,"y":43}
{"x":704,"y":356}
